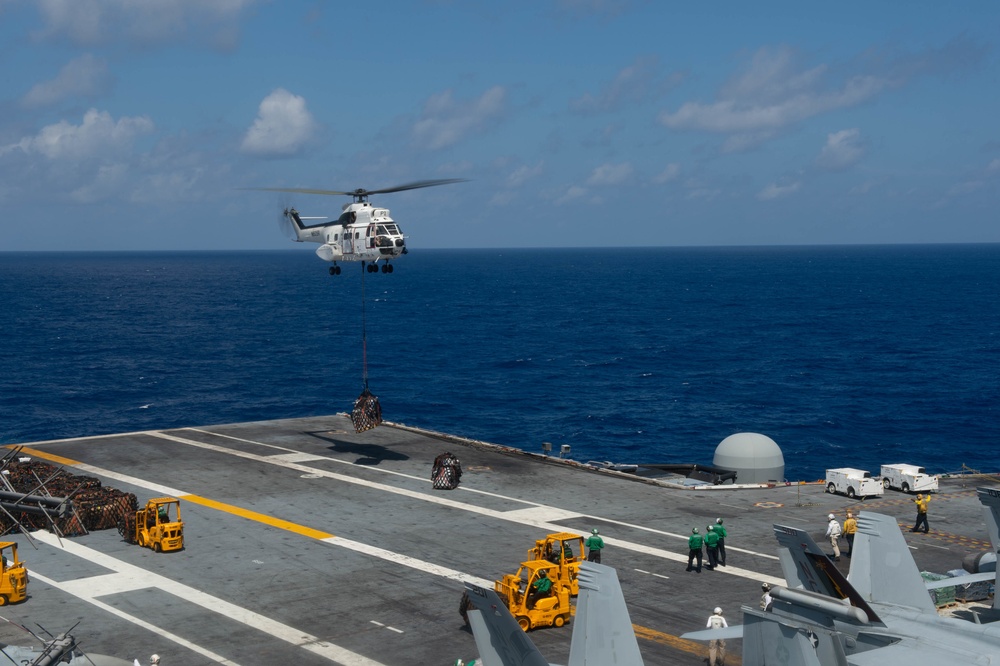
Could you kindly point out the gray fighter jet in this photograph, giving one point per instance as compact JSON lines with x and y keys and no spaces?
{"x":880,"y":614}
{"x":602,"y":629}
{"x":990,"y":498}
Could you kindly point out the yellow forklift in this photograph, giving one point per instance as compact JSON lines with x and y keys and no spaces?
{"x":565,"y":550}
{"x":13,"y":575}
{"x":157,"y":525}
{"x":553,"y":610}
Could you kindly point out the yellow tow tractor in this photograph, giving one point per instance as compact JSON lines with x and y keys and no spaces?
{"x":13,"y":575}
{"x":566,"y":551}
{"x":158,"y":525}
{"x":549,"y":611}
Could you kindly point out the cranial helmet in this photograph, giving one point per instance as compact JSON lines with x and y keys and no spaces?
{"x":543,"y":572}
{"x":718,"y":520}
{"x":718,"y":611}
{"x":830,"y":516}
{"x":155,"y":659}
{"x":593,"y":531}
{"x":765,"y":587}
{"x":694,"y":531}
{"x":711,"y":528}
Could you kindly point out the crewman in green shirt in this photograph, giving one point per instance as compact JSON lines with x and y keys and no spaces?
{"x":712,"y":546}
{"x":721,"y":531}
{"x":594,"y":544}
{"x":694,"y":549}
{"x":542,"y":587}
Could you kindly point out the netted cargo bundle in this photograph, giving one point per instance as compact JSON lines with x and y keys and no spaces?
{"x":367,"y":412}
{"x":447,"y":472}
{"x":54,"y":498}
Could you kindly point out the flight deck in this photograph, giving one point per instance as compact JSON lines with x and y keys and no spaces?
{"x":308,"y":543}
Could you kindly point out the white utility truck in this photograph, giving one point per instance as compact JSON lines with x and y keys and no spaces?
{"x":908,"y":478}
{"x":853,"y":483}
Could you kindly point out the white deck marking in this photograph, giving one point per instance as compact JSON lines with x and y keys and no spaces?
{"x":408,"y":561}
{"x":543,"y":513}
{"x":137,"y":621}
{"x":125,"y":579}
{"x":297,"y":457}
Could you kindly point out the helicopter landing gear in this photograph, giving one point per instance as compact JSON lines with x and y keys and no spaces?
{"x":334,"y":270}
{"x":386,"y":268}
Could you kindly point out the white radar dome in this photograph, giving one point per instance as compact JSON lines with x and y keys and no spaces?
{"x":755,"y":457}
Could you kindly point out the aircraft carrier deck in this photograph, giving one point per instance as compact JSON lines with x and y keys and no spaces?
{"x":306,"y":543}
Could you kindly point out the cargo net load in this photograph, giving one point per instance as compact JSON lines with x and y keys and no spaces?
{"x":367,"y":412}
{"x":38,"y":495}
{"x":447,"y":472}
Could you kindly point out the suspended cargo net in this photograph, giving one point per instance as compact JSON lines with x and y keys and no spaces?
{"x":367,"y":412}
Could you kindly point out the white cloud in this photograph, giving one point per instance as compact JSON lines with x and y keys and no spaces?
{"x":634,"y":84}
{"x":446,"y":121}
{"x":283,"y":126}
{"x":842,"y":149}
{"x":523,"y":174}
{"x":771,"y":95}
{"x":610,"y":174}
{"x":98,"y":136}
{"x":86,"y":76}
{"x":574,"y":193}
{"x":672,"y":171}
{"x":968,"y":187}
{"x":775,"y":191}
{"x":93,"y":22}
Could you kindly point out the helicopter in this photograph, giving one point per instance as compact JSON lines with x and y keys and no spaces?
{"x":363,"y":232}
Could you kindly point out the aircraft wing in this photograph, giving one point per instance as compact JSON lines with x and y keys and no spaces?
{"x":772,"y":639}
{"x":960,"y":580}
{"x":736,"y":631}
{"x":500,"y":640}
{"x":602,"y":629}
{"x":990,"y":498}
{"x":882,"y":566}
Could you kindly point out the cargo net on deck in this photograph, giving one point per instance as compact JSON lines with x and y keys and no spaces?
{"x":447,"y":472}
{"x":53,"y":499}
{"x":367,"y":412}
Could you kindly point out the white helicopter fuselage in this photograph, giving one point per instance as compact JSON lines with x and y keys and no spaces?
{"x":362,"y":233}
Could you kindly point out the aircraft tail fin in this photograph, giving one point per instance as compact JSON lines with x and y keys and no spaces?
{"x":774,"y":639}
{"x":806,"y":566}
{"x":602,"y":629}
{"x":882,"y":568}
{"x":990,"y":498}
{"x":499,"y":638}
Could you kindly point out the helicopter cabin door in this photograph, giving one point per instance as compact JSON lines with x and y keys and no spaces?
{"x":348,"y":240}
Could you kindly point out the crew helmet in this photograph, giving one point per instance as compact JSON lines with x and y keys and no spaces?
{"x":711,"y":528}
{"x":831,"y":516}
{"x":593,"y":531}
{"x":543,"y":572}
{"x":718,"y":520}
{"x":694,"y":531}
{"x":718,"y":611}
{"x":155,"y":659}
{"x":765,"y":587}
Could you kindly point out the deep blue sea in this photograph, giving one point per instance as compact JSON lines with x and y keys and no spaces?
{"x":845,"y":356}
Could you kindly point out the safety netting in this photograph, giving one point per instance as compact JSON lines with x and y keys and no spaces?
{"x":447,"y":472}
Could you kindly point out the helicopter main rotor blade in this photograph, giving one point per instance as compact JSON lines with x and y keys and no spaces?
{"x":417,"y":185}
{"x":299,"y":190}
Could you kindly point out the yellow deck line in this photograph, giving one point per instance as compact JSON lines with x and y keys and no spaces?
{"x":44,"y":454}
{"x":259,"y":517}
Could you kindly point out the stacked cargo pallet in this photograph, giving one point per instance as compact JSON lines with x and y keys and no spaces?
{"x":942,"y":596}
{"x":970,"y":591}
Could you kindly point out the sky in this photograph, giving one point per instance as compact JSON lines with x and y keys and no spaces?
{"x":135,"y":124}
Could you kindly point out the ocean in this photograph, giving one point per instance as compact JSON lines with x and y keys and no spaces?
{"x":846,"y":356}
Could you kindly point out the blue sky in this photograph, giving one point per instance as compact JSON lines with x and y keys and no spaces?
{"x":130,"y":125}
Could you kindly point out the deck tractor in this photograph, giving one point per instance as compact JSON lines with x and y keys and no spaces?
{"x":13,"y":575}
{"x":157,"y":525}
{"x":566,"y":551}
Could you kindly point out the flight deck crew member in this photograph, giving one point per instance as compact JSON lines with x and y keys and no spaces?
{"x":833,"y":531}
{"x":540,"y":588}
{"x":594,"y":544}
{"x":765,"y":599}
{"x":716,"y":646}
{"x":921,"y":503}
{"x":694,"y":549}
{"x":721,"y":531}
{"x":850,"y":529}
{"x":712,"y":546}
